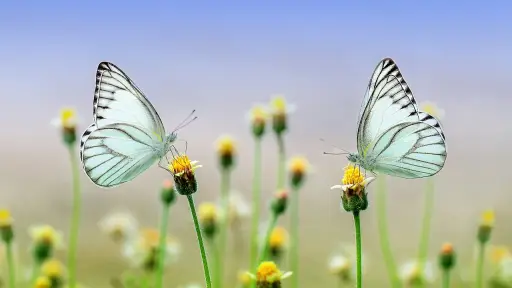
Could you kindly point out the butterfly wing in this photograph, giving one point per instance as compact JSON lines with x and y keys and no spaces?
{"x":116,"y":153}
{"x":410,"y":150}
{"x":118,"y":100}
{"x":388,"y":101}
{"x":401,"y":140}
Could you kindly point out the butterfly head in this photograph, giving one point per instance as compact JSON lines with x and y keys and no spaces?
{"x":354,"y":158}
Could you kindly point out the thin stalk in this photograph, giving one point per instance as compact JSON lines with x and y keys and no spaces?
{"x":427,"y":219}
{"x":35,"y":272}
{"x":216,"y":260}
{"x":224,"y":190}
{"x":200,"y":241}
{"x":446,"y":278}
{"x":357,"y":225}
{"x":480,"y":266}
{"x":162,"y":246}
{"x":10,"y":265}
{"x":281,"y":164}
{"x":256,"y":203}
{"x":384,"y":233}
{"x":264,"y":251}
{"x":294,"y":249}
{"x":75,"y":218}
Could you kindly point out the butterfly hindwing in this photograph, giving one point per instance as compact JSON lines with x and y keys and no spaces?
{"x":118,"y":100}
{"x":116,"y":153}
{"x":410,"y":150}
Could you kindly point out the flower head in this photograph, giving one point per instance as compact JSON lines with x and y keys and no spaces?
{"x":432,"y":109}
{"x":411,"y":273}
{"x":278,"y":241}
{"x":6,"y":231}
{"x":226,"y":150}
{"x":45,"y":240}
{"x":343,"y":263}
{"x":208,"y":218}
{"x":183,"y":171}
{"x":354,"y":182}
{"x":447,"y":256}
{"x":143,"y":251}
{"x":244,"y":278}
{"x":168,"y":193}
{"x":55,"y":271}
{"x":258,"y":116}
{"x":121,"y":226}
{"x":279,"y":110}
{"x":42,"y":282}
{"x":238,"y":207}
{"x":280,"y":202}
{"x":67,"y":122}
{"x":268,"y":275}
{"x":299,"y":167}
{"x":486,"y":226}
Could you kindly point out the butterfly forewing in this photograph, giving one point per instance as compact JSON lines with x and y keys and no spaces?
{"x":118,"y":100}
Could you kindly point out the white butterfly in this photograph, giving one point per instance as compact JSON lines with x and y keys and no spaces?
{"x":127,"y":136}
{"x":394,"y":137}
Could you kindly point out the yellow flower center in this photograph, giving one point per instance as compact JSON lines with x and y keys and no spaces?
{"x":42,"y":282}
{"x":226,"y":146}
{"x":68,"y":117}
{"x":258,"y":114}
{"x":278,"y":237}
{"x":46,"y":234}
{"x":244,"y":278}
{"x":488,"y":218}
{"x":353,"y":176}
{"x":268,"y":272}
{"x":151,"y":237}
{"x":5,"y":218}
{"x":447,"y":249}
{"x":279,"y":105}
{"x":180,"y":165}
{"x":52,"y":269}
{"x":299,"y":165}
{"x":499,"y":253}
{"x":207,"y":212}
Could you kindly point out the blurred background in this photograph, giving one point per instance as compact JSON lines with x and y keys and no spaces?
{"x":221,"y":58}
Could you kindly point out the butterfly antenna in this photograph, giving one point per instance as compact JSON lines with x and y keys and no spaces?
{"x":186,"y":121}
{"x":335,"y":147}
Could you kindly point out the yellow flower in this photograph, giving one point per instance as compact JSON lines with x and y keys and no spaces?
{"x":68,"y":119}
{"x":279,"y":107}
{"x":299,"y":165}
{"x":53,"y":269}
{"x":208,"y":212}
{"x":5,"y":218}
{"x":278,"y":238}
{"x":182,"y":165}
{"x":498,"y":253}
{"x":226,"y":146}
{"x":353,"y":179}
{"x":268,"y":273}
{"x":244,"y":278}
{"x":46,"y":234}
{"x":42,"y":282}
{"x":432,"y":109}
{"x":447,"y":248}
{"x":488,"y":218}
{"x":258,"y":115}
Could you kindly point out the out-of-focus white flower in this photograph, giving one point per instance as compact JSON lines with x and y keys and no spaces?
{"x":238,"y":209}
{"x":120,"y":226}
{"x":143,"y":251}
{"x":343,"y":262}
{"x":411,"y":275}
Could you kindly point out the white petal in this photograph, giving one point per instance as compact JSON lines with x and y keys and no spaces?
{"x":336,"y":187}
{"x":286,"y":275}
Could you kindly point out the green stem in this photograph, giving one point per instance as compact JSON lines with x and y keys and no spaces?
{"x":224,"y":190}
{"x":10,"y":264}
{"x":446,"y":278}
{"x":162,"y":246}
{"x":480,"y":266}
{"x":384,"y":233}
{"x":294,"y":249}
{"x":281,"y":164}
{"x":256,"y":203}
{"x":75,"y":218}
{"x":357,"y":224}
{"x":200,"y":241}
{"x":427,"y":218}
{"x":264,"y":251}
{"x":217,"y":260}
{"x":35,"y":272}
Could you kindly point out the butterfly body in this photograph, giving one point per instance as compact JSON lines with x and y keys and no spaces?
{"x":393,"y":136}
{"x":127,"y":135}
